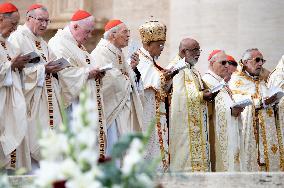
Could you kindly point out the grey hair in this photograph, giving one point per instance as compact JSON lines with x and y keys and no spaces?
{"x":7,"y":15}
{"x":213,"y":58}
{"x":32,"y":12}
{"x":247,"y":54}
{"x":84,"y":21}
{"x":111,"y":31}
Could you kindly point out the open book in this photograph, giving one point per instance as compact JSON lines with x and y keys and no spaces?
{"x":277,"y":92}
{"x":180,"y":65}
{"x":62,"y":62}
{"x":242,"y":103}
{"x":218,"y":87}
{"x":34,"y":59}
{"x":32,"y":55}
{"x":105,"y":68}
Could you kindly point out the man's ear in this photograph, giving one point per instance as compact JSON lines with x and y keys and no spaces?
{"x":1,"y":18}
{"x":76,"y":26}
{"x":244,"y":62}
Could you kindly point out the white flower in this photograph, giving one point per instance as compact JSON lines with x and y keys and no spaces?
{"x":133,"y":156}
{"x":89,"y":156}
{"x":48,"y":173}
{"x":4,"y":181}
{"x":53,"y":145}
{"x":116,"y":186}
{"x":145,"y":180}
{"x":87,"y":137}
{"x":69,"y":169}
{"x":83,"y":181}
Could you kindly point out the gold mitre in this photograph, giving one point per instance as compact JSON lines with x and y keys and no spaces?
{"x":152,"y":31}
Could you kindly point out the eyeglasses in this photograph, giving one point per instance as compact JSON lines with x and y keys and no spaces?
{"x":233,"y":63}
{"x":258,"y":59}
{"x":161,"y":46}
{"x":194,"y":50}
{"x":41,"y":20}
{"x":224,"y":62}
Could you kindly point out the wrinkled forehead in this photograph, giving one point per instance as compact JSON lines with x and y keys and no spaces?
{"x":256,"y":53}
{"x":193,"y":45}
{"x":122,"y":27}
{"x":41,"y":13}
{"x":221,"y":56}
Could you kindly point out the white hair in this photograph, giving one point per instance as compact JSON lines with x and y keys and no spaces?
{"x":84,"y":22}
{"x":111,"y":31}
{"x":8,"y":15}
{"x":213,"y":58}
{"x":32,"y":12}
{"x":247,"y":54}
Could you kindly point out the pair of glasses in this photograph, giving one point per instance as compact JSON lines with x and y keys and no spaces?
{"x":194,"y":50}
{"x":233,"y":63}
{"x":161,"y":46}
{"x":41,"y":20}
{"x":224,"y":62}
{"x":258,"y":59}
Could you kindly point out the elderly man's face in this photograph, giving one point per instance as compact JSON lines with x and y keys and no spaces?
{"x":255,"y":63}
{"x":155,"y":48}
{"x":84,"y":32}
{"x":38,"y":21}
{"x":220,"y":66}
{"x":192,"y":53}
{"x":121,"y":36}
{"x":9,"y":23}
{"x":232,"y":68}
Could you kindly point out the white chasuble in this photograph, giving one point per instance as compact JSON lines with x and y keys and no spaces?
{"x":211,"y":80}
{"x":227,"y":130}
{"x":260,"y":137}
{"x":41,"y":90}
{"x":121,"y":99}
{"x":74,"y":78}
{"x":276,"y":79}
{"x":14,"y":150}
{"x":189,"y":142}
{"x":154,"y":109}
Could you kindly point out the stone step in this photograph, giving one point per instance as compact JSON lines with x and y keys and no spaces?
{"x":197,"y":180}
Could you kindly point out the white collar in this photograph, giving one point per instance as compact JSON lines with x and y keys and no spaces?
{"x":214,"y":75}
{"x":110,"y":46}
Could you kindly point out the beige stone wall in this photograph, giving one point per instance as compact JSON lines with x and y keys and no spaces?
{"x":232,"y":25}
{"x":135,"y":12}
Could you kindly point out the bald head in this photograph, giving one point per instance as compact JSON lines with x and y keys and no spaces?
{"x":190,"y":50}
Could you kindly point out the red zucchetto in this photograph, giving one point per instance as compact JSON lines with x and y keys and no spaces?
{"x":230,"y":58}
{"x":80,"y":15}
{"x":34,"y":6}
{"x":214,"y":52}
{"x":112,"y":24}
{"x":7,"y":8}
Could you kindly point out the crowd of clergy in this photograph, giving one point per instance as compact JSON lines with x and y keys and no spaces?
{"x":226,"y":120}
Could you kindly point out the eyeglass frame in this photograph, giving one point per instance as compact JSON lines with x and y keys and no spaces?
{"x":260,"y":59}
{"x":41,"y":20}
{"x":194,"y":50}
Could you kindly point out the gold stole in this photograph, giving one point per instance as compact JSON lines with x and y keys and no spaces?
{"x":196,"y":141}
{"x":13,"y":153}
{"x":102,"y":142}
{"x":48,"y":84}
